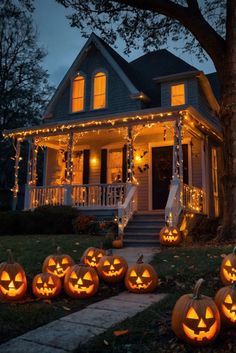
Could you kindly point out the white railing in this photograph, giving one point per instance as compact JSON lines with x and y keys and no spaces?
{"x":174,"y":204}
{"x":36,"y":196}
{"x":193,"y":199}
{"x":127,"y":209}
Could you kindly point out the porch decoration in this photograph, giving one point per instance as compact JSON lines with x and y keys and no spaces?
{"x":81,"y":281}
{"x":57,"y":264}
{"x":117,"y":243}
{"x":225,"y":300}
{"x":17,"y":159}
{"x":112,"y":268}
{"x":195,"y":318}
{"x":92,"y":256}
{"x":46,"y":286}
{"x":141,"y":277}
{"x":228,"y":268}
{"x":13,"y":283}
{"x":170,"y":236}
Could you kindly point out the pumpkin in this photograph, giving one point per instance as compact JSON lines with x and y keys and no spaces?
{"x":195,"y":318}
{"x":46,"y":285}
{"x":141,"y":277}
{"x":112,"y":268}
{"x":57,"y":264}
{"x":81,"y":281}
{"x":170,"y":236}
{"x":117,"y":243}
{"x":92,"y":256}
{"x":225,"y":300}
{"x":228,"y":268}
{"x":13,"y":283}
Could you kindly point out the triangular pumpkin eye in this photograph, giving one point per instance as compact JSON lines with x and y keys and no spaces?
{"x":175,"y":231}
{"x":39,"y":280}
{"x":116,"y":261}
{"x":88,"y":276}
{"x":209,"y":313}
{"x":146,"y":274}
{"x":51,"y":262}
{"x":64,"y":261}
{"x":50,"y":281}
{"x":228,"y":299}
{"x":90,"y":253}
{"x":100,"y":255}
{"x":19,"y":277}
{"x":192,"y":314}
{"x":73,"y":275}
{"x":228,"y":263}
{"x":133,"y":274}
{"x":106,"y":263}
{"x":5,"y":276}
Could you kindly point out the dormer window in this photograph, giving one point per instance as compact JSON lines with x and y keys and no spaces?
{"x":99,"y":90}
{"x":178,"y":94}
{"x":78,"y":94}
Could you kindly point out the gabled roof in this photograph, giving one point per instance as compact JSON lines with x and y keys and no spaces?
{"x":213,"y":79}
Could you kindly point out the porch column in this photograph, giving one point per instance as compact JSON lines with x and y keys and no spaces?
{"x":130,"y":156}
{"x":69,"y":170}
{"x":16,"y":173}
{"x":33,"y":164}
{"x":177,"y":174}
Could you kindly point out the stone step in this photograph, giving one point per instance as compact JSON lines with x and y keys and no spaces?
{"x":140,"y":242}
{"x":149,"y":226}
{"x":141,"y":234}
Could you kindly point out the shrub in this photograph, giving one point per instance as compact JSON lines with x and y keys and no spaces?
{"x":82,"y":224}
{"x":203,"y":228}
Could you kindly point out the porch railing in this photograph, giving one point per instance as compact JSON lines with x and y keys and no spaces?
{"x":194,"y":199}
{"x":174,"y":204}
{"x":127,"y":209}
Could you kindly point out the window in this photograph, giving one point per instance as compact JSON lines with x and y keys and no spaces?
{"x":99,"y":91}
{"x":215,"y":181}
{"x":78,"y":94}
{"x":115,"y":166}
{"x":177,"y":94}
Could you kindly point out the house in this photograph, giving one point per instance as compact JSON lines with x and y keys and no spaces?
{"x":123,"y":137}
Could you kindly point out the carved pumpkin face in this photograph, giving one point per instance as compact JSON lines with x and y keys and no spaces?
{"x":228,"y":269}
{"x":141,"y":278}
{"x":170,"y":236}
{"x":226,"y":302}
{"x":57,"y":264}
{"x":81,"y":281}
{"x":13,"y":282}
{"x":112,"y":268}
{"x":92,"y":256}
{"x":196,"y":319}
{"x":46,"y":285}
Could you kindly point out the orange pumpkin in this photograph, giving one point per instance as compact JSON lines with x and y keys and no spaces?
{"x":57,"y":264}
{"x":195,"y":318}
{"x":117,"y":243}
{"x":141,"y":277}
{"x":13,"y":283}
{"x":81,"y":281}
{"x":92,"y":256}
{"x":170,"y":236}
{"x":46,"y":285}
{"x":112,"y":268}
{"x":225,"y":300}
{"x":228,"y":268}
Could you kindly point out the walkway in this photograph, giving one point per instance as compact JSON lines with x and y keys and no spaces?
{"x":66,"y":334}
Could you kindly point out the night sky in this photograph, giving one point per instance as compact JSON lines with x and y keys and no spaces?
{"x":63,"y":43}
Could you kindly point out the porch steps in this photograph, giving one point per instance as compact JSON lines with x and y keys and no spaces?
{"x":144,"y":228}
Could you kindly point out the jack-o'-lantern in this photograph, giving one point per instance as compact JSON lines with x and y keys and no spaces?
{"x":92,"y":256}
{"x":81,"y":281}
{"x":46,"y":285}
{"x":195,"y":318}
{"x":13,"y":283}
{"x":57,"y":264}
{"x":112,"y":268}
{"x":141,"y":277}
{"x":170,"y":236}
{"x":225,"y":300}
{"x":228,"y":268}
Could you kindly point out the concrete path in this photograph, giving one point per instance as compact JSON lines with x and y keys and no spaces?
{"x":66,"y":334}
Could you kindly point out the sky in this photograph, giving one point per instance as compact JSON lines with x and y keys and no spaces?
{"x":63,"y":43}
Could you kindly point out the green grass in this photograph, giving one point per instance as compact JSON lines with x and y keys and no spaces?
{"x":30,"y":251}
{"x":150,"y":331}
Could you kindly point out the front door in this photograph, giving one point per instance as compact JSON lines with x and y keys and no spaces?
{"x":162,"y":173}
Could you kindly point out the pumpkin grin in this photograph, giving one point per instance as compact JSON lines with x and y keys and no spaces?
{"x":11,"y":289}
{"x":113,"y":272}
{"x":230,"y":314}
{"x":202,"y":334}
{"x":139,"y":285}
{"x":170,"y":238}
{"x":46,"y":291}
{"x":77,"y":288}
{"x":230,"y":275}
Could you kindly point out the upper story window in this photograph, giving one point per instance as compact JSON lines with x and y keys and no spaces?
{"x":99,"y":90}
{"x":78,"y":94}
{"x":177,"y":94}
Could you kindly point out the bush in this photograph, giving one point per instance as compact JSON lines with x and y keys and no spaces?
{"x":203,"y":228}
{"x":82,"y":224}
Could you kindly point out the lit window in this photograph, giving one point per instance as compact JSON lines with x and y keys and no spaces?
{"x":177,"y":95}
{"x":99,"y":91}
{"x":78,"y":94}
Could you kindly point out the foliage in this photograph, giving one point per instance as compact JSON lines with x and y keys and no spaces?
{"x":203,"y":228}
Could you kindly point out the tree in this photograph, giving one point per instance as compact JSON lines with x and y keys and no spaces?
{"x":24,"y":88}
{"x":204,"y":26}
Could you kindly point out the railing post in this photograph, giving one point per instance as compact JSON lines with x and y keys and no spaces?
{"x":68,"y":195}
{"x":27,"y":200}
{"x":16,"y":173}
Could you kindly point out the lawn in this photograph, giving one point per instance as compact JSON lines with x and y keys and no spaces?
{"x":30,"y":251}
{"x":150,"y":331}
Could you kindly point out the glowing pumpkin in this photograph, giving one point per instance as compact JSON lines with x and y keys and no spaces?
{"x":13,"y":283}
{"x":225,"y":300}
{"x":81,"y":281}
{"x":228,"y":269}
{"x":57,"y":264}
{"x":92,"y":256}
{"x":141,"y":277}
{"x":112,"y":268}
{"x":46,"y":285}
{"x":170,"y":236}
{"x":117,"y":243}
{"x":195,"y":318}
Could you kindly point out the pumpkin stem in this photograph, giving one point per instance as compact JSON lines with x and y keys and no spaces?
{"x":58,"y":250}
{"x":10,"y":257}
{"x":140,"y":259}
{"x":196,"y":294}
{"x":234,"y":251}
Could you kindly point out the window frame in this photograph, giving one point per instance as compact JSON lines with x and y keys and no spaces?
{"x":100,"y":70}
{"x":81,"y":74}
{"x":185,"y":93}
